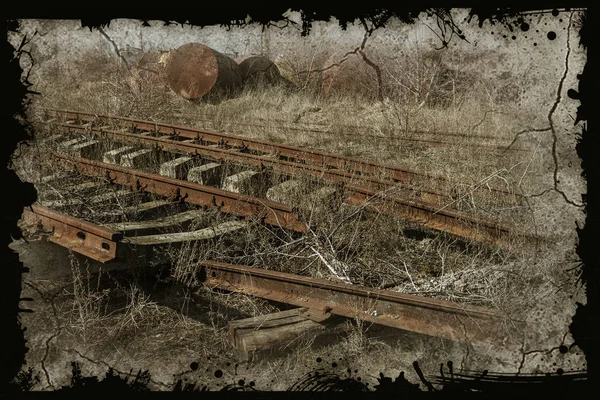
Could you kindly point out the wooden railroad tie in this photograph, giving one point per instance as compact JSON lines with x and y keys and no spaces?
{"x":274,"y":334}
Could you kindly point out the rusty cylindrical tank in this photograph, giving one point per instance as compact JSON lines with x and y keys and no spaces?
{"x":194,"y":70}
{"x":259,"y":69}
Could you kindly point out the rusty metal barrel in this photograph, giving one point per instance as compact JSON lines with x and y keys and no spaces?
{"x":259,"y":69}
{"x":194,"y":70}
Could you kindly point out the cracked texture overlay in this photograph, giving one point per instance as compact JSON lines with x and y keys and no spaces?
{"x":486,"y":106}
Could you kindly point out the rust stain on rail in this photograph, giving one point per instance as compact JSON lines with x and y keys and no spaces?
{"x":91,"y":240}
{"x":418,"y":314}
{"x":345,"y":163}
{"x":179,"y":190}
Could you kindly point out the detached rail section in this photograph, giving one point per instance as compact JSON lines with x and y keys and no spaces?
{"x":425,"y":210}
{"x":412,"y":313}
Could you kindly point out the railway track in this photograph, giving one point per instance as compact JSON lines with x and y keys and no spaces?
{"x":172,"y":197}
{"x":402,"y":200}
{"x":276,"y":213}
{"x":354,"y":166}
{"x":321,"y":297}
{"x":177,"y":190}
{"x":434,"y":140}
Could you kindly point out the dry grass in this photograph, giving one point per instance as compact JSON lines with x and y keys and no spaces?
{"x":351,"y":244}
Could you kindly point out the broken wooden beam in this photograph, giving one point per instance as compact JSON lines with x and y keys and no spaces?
{"x":157,"y":223}
{"x":274,"y":334}
{"x":202,"y":234}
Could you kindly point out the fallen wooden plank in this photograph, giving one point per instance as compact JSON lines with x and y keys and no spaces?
{"x":111,"y":195}
{"x":147,"y":206}
{"x":156,"y":223}
{"x":92,"y":200}
{"x":136,"y":208}
{"x":270,"y":320}
{"x":265,"y":321}
{"x":276,"y":333}
{"x":201,"y":234}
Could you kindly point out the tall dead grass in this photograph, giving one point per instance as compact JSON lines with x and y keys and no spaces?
{"x":418,"y":101}
{"x":427,"y":98}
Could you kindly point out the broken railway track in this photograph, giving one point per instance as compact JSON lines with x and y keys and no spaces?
{"x":392,"y":195}
{"x":358,"y":168}
{"x":322,"y":298}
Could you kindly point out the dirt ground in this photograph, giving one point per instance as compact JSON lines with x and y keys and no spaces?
{"x":172,"y":326}
{"x":132,"y":321}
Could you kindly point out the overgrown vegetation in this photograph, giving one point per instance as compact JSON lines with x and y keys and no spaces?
{"x":437,"y":117}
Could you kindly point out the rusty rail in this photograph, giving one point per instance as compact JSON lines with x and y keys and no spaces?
{"x":91,"y":240}
{"x":269,"y":212}
{"x":427,"y":215}
{"x":369,"y":136}
{"x":287,"y":167}
{"x":350,"y":164}
{"x":446,"y":220}
{"x":418,"y":314}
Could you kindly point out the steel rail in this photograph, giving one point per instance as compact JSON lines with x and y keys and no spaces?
{"x":418,"y":314}
{"x":351,"y":164}
{"x":428,"y":316}
{"x":447,"y":220}
{"x":287,"y":167}
{"x":270,"y":212}
{"x":425,"y":214}
{"x":97,"y":242}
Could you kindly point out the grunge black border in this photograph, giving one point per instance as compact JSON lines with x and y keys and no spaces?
{"x":586,"y":321}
